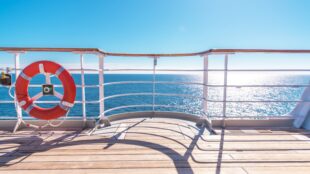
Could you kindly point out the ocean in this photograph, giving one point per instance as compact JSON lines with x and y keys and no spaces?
{"x":192,"y":105}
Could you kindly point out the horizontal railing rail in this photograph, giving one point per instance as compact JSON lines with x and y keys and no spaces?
{"x":150,"y":94}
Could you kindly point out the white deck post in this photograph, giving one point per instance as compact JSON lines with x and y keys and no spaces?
{"x":153,"y":82}
{"x":101,"y":118}
{"x":83,"y":87}
{"x":206,"y":121}
{"x":205,"y":83}
{"x":18,"y":109}
{"x":101,"y":86}
{"x":225,"y":89}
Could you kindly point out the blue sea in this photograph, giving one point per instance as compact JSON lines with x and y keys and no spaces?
{"x":192,"y":105}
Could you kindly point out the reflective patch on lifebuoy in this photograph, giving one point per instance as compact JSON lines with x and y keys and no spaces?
{"x":27,"y":103}
{"x":23,"y":75}
{"x":70,"y":105}
{"x":41,"y":68}
{"x":63,"y":106}
{"x":59,"y":71}
{"x":29,"y":108}
{"x":22,"y":103}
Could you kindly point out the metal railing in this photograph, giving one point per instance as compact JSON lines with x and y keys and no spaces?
{"x":18,"y":52}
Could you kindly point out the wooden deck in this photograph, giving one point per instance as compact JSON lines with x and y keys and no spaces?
{"x":156,"y":146}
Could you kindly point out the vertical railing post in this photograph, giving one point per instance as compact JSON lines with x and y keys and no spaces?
{"x":153,"y":82}
{"x":83,"y":87}
{"x":101,"y":118}
{"x":205,"y":84}
{"x":101,"y":86}
{"x":225,"y":89}
{"x":18,"y":109}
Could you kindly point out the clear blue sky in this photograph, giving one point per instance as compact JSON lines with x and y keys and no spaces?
{"x":161,"y":26}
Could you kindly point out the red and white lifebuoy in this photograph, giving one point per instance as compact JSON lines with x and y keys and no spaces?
{"x":27,"y":103}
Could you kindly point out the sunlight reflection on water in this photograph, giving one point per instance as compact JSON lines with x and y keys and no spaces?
{"x":191,"y":105}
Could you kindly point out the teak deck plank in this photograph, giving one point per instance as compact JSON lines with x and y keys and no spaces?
{"x":231,"y":170}
{"x":156,"y":146}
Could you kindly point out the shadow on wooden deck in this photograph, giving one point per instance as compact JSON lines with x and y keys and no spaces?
{"x":66,"y":140}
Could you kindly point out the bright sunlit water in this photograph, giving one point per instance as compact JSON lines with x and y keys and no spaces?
{"x":191,"y":105}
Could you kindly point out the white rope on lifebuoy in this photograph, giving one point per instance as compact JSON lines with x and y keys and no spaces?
{"x":41,"y":68}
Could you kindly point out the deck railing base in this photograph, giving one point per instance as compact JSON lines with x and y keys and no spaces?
{"x":9,"y":125}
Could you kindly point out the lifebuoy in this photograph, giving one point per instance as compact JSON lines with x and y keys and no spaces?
{"x":27,"y":103}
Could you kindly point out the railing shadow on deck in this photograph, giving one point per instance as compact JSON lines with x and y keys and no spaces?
{"x":66,"y":140}
{"x":176,"y":157}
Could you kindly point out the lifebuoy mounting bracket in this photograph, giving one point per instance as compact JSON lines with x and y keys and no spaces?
{"x":48,"y":89}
